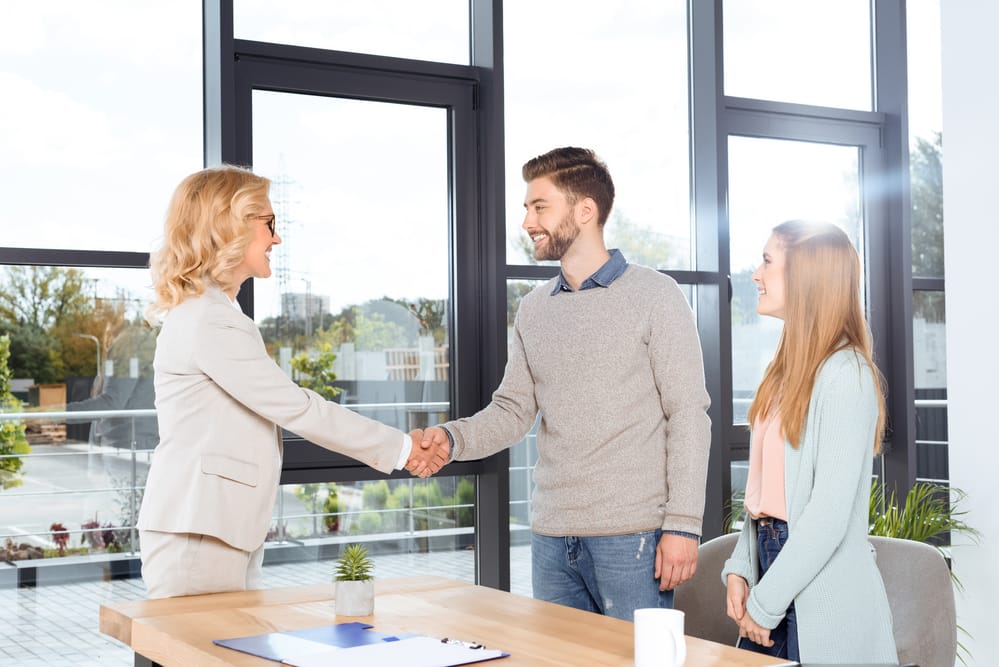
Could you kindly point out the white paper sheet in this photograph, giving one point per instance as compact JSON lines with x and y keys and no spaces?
{"x":411,"y":652}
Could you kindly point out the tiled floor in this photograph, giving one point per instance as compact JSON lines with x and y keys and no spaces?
{"x":57,"y":625}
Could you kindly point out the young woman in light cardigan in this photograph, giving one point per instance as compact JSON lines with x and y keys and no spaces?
{"x":802,"y":581}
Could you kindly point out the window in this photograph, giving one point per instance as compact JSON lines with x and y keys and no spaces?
{"x":426,"y":31}
{"x":97,"y":130}
{"x":929,"y":322}
{"x":771,"y":181}
{"x":613,"y":78}
{"x":815,"y":53}
{"x":78,"y":342}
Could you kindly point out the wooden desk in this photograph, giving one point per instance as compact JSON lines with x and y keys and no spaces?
{"x":179,"y":631}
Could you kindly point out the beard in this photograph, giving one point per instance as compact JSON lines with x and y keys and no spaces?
{"x":559,"y":240}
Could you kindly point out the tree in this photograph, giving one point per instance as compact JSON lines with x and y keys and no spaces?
{"x":283,"y":331}
{"x":33,"y":352}
{"x":926,"y":172}
{"x":515,"y":291}
{"x":13,"y":441}
{"x":42,"y":308}
{"x":432,"y":315}
{"x":42,"y":295}
{"x":108,"y":321}
{"x":366,"y":330}
{"x":745,"y":296}
{"x":32,"y":300}
{"x":316,"y":373}
{"x":641,"y":244}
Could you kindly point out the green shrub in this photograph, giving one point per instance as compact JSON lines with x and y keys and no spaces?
{"x":370,"y":522}
{"x":13,"y":441}
{"x":375,"y":495}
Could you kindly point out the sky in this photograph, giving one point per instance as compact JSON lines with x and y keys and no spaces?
{"x":102,"y":118}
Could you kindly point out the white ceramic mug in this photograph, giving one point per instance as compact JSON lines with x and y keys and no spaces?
{"x":659,"y":638}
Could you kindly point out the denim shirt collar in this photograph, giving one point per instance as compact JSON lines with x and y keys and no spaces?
{"x":603,"y":277}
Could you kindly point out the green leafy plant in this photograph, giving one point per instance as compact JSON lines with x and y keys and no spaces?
{"x":929,"y":512}
{"x":331,"y":507}
{"x":735,"y":510}
{"x":13,"y":438}
{"x":354,"y":564}
{"x":320,"y":498}
{"x":317,"y":373}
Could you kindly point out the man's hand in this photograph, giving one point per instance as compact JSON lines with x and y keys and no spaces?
{"x":434,"y":436}
{"x":676,"y":560}
{"x":738,"y":593}
{"x":427,"y":456}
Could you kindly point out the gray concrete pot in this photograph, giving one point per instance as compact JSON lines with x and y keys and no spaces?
{"x":354,"y":598}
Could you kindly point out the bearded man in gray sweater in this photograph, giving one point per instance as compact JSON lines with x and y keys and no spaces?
{"x":608,"y":353}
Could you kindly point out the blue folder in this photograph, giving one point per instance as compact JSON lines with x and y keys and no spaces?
{"x":280,"y":645}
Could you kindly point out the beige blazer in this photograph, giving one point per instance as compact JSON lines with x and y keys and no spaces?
{"x":220,"y":399}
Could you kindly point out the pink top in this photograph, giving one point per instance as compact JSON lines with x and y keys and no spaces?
{"x":765,"y":484}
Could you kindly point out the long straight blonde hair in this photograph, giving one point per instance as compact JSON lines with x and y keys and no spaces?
{"x":823,"y":314}
{"x":206,"y":233}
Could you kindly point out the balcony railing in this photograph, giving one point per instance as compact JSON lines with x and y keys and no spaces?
{"x":79,"y":499}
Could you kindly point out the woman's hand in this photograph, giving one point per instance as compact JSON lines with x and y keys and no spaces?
{"x":755,"y":632}
{"x":738,"y":592}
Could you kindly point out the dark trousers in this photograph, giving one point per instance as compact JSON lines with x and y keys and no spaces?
{"x":771,"y":534}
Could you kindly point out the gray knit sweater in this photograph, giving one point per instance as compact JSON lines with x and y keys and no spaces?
{"x":617,"y":375}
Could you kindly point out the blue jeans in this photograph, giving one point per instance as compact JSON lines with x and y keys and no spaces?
{"x":612,"y":575}
{"x":770,"y":539}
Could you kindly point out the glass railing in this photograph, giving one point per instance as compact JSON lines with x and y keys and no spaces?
{"x":76,"y":495}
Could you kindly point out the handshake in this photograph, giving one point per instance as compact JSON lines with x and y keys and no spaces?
{"x":430,"y":453}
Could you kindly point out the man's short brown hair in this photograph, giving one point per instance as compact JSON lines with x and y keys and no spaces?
{"x":576,"y":172}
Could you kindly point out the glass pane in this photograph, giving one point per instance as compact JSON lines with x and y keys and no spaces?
{"x":344,"y":279}
{"x":929,"y":344}
{"x":634,"y":72}
{"x":806,"y":52}
{"x":925,"y":137}
{"x":348,"y":312}
{"x":96,"y":130}
{"x":734,"y":511}
{"x":436,"y":31}
{"x":771,"y":181}
{"x":78,"y":343}
{"x":395,"y":516}
{"x":523,"y":458}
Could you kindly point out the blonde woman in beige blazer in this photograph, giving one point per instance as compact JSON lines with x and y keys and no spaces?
{"x":221,"y":399}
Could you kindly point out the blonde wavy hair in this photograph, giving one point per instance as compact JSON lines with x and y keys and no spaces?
{"x":823,"y":314}
{"x":206,"y":233}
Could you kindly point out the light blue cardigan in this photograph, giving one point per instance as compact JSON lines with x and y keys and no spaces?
{"x":827,"y":566}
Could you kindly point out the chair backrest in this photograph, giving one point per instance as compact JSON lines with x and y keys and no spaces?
{"x":702,"y":598}
{"x":921,"y":597}
{"x":917,"y":581}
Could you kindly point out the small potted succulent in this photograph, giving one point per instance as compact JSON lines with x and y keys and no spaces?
{"x":355,"y":585}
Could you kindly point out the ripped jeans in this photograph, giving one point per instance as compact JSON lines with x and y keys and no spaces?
{"x":612,"y":575}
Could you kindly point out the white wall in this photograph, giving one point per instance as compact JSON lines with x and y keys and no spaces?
{"x":971,"y":227}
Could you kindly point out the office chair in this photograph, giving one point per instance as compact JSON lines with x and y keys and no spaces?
{"x":702,"y":598}
{"x":921,"y":597}
{"x":917,"y":582}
